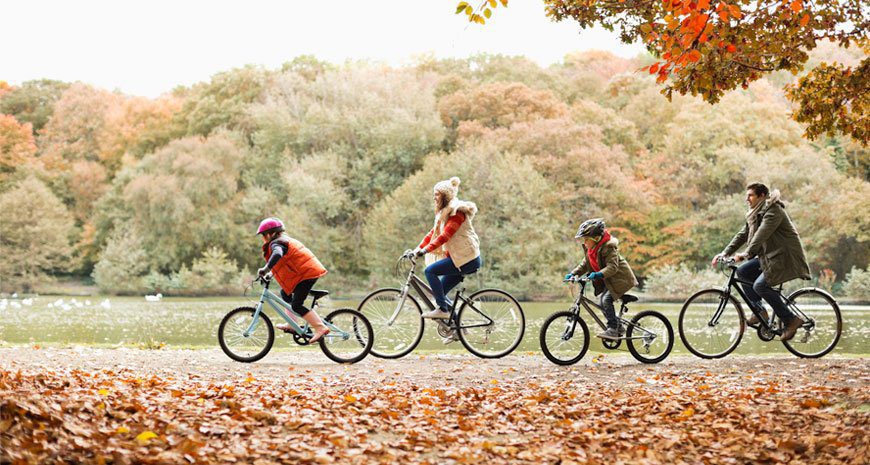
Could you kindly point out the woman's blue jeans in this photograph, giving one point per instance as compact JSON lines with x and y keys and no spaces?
{"x":444,"y":276}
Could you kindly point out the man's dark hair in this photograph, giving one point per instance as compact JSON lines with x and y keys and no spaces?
{"x":759,"y":189}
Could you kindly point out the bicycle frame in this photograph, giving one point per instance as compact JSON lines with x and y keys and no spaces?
{"x":425,"y":292}
{"x":588,"y":304}
{"x":278,"y":304}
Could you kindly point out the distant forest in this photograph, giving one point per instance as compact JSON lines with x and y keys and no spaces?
{"x":145,"y":195}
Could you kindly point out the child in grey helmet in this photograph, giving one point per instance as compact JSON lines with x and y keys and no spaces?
{"x":609,"y":271}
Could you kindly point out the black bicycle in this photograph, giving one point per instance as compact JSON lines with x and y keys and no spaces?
{"x":712,"y":320}
{"x":565,"y":336}
{"x":490,"y":323}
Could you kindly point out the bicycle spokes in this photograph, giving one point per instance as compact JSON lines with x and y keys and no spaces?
{"x":491,"y":323}
{"x":822,"y":323}
{"x":710,"y":327}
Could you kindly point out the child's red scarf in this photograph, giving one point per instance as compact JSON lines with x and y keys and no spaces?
{"x":592,"y":254}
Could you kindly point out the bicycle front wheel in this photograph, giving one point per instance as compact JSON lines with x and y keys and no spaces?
{"x":564,"y":338}
{"x":491,"y":323}
{"x":245,"y":348}
{"x":350,"y":338}
{"x":396,"y":338}
{"x":822,"y":323}
{"x":711,"y":325}
{"x":650,"y":337}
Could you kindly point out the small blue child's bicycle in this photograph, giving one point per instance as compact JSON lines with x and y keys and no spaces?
{"x":246,"y":334}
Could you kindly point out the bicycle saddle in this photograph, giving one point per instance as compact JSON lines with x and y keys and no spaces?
{"x":628,"y":298}
{"x":318,"y":294}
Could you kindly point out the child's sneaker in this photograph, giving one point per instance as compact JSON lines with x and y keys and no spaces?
{"x":611,"y":333}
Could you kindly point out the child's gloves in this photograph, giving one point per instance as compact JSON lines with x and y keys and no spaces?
{"x":420,"y":252}
{"x":569,"y":276}
{"x":262,"y":271}
{"x":596,"y":275}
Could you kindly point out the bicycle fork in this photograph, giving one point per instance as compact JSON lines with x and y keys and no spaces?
{"x":404,"y":296}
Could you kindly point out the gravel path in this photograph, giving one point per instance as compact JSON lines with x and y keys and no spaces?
{"x":426,"y":370}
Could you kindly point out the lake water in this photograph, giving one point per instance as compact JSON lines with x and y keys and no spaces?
{"x":193,"y":322}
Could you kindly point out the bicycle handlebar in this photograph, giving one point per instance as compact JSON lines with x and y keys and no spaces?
{"x":576,"y":279}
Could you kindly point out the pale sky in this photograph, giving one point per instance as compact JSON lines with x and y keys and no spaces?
{"x":147,"y":48}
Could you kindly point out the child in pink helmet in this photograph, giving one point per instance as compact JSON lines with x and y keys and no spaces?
{"x":295,"y":268}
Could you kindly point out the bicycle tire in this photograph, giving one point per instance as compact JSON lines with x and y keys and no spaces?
{"x":378,"y":319}
{"x":694,"y":348}
{"x":570,"y":318}
{"x":631,"y":343}
{"x":794,"y":345}
{"x":513,"y":307}
{"x":358,"y":319}
{"x":228,"y":319}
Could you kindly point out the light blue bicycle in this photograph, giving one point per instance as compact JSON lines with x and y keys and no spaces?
{"x":246,"y":334}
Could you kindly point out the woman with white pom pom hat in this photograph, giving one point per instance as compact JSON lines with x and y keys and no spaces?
{"x":452,"y":248}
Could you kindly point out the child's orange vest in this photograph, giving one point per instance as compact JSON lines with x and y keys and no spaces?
{"x":298,"y":264}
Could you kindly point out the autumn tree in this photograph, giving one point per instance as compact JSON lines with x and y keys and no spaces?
{"x":180,"y":199}
{"x":707,"y":48}
{"x":35,"y":233}
{"x":221,"y":102}
{"x":17,"y":145}
{"x":497,"y":105}
{"x":33,"y":101}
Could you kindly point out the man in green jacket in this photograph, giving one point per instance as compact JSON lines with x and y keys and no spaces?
{"x":774,"y":255}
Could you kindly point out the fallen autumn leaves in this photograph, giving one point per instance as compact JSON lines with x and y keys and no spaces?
{"x":679,"y":413}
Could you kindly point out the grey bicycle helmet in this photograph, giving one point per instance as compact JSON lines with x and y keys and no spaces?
{"x":591,"y":228}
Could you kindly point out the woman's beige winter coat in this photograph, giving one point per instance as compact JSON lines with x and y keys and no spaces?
{"x":464,"y":245}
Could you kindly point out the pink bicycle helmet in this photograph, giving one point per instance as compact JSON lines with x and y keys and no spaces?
{"x":270,"y":224}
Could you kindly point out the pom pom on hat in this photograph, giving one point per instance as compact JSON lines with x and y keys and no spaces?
{"x":448,"y":188}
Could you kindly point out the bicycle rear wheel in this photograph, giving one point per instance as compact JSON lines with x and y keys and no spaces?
{"x":396,"y":339}
{"x":650,"y":337}
{"x":241,"y":348}
{"x":491,"y":323}
{"x":351,"y":337}
{"x":822,"y":323}
{"x":564,"y":338}
{"x":707,"y":332}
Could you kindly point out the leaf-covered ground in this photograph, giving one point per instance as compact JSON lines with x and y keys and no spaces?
{"x":131,"y":406}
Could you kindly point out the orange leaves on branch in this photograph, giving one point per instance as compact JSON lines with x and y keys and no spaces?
{"x":693,"y":56}
{"x":805,"y":19}
{"x":796,"y":6}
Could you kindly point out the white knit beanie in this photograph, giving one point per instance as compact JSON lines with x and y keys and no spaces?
{"x":448,"y":188}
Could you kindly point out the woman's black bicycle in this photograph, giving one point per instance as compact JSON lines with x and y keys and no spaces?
{"x":712,"y":320}
{"x":565,"y":336}
{"x":490,"y":323}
